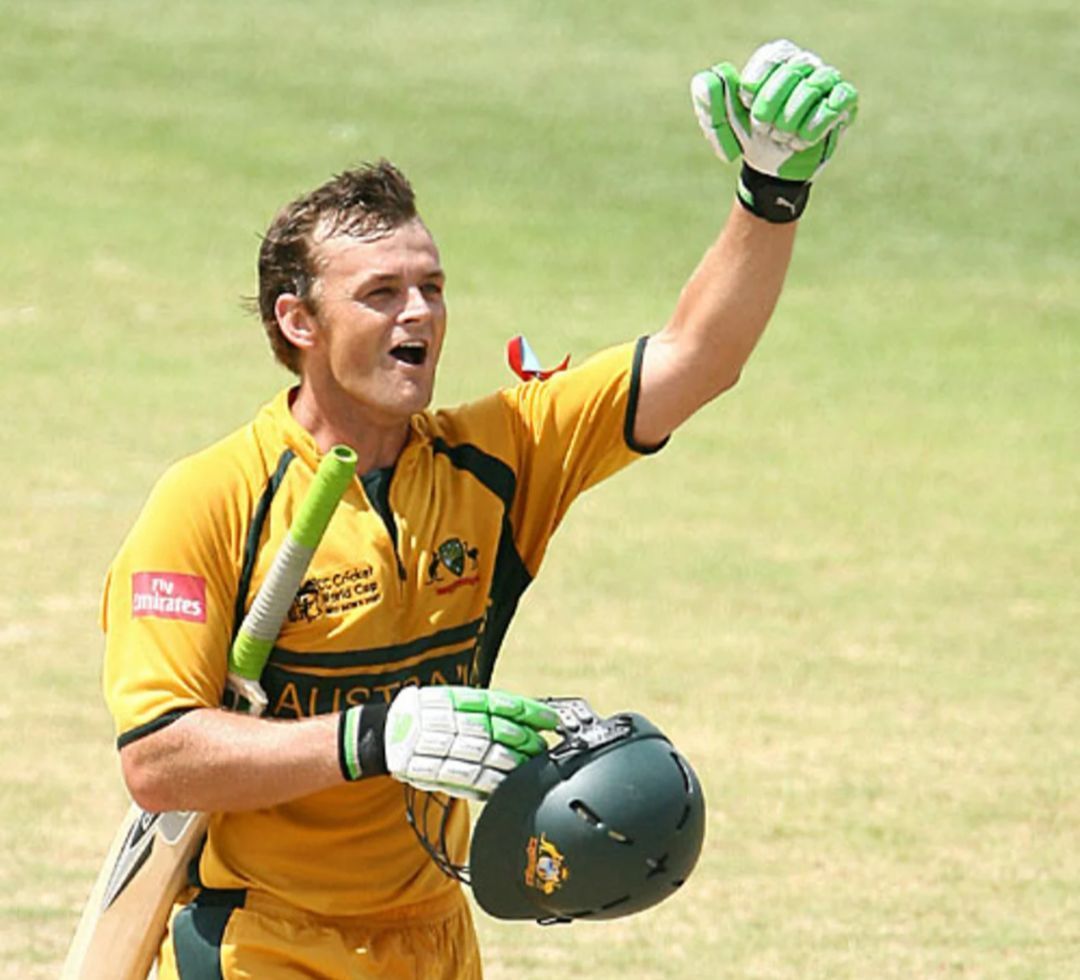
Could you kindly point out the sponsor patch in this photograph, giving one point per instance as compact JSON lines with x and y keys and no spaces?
{"x":168,"y":595}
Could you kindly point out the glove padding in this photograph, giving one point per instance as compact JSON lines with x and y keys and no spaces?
{"x":461,"y":741}
{"x":783,"y":115}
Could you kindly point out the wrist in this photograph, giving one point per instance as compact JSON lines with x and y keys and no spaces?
{"x":773,"y":198}
{"x":361,"y":741}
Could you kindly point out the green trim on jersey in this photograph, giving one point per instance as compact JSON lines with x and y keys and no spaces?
{"x":254,"y":536}
{"x":376,"y":485}
{"x":134,"y":734}
{"x":373,"y":656}
{"x":632,"y":402}
{"x":509,"y":583}
{"x":511,"y":577}
{"x":199,"y":931}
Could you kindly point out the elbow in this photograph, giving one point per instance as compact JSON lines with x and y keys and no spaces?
{"x":722,"y":383}
{"x":145,"y":786}
{"x":728,"y":382}
{"x":148,"y":778}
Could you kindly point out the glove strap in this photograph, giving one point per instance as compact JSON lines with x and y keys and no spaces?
{"x":361,"y":744}
{"x":772,"y":198}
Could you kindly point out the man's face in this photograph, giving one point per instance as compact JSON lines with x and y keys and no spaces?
{"x":381,"y":321}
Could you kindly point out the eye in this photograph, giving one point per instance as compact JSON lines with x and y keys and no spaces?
{"x":433,"y":290}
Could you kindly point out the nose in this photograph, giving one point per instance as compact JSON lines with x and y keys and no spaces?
{"x":417,"y":306}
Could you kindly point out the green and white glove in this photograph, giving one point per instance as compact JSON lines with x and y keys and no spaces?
{"x":783,"y":115}
{"x":461,"y":741}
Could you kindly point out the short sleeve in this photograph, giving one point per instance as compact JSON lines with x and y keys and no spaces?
{"x":573,"y":431}
{"x":167,"y":605}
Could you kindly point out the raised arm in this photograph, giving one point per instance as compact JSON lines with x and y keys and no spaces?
{"x":783,"y":116}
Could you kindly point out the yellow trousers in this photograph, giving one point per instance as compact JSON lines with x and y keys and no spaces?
{"x":234,"y":935}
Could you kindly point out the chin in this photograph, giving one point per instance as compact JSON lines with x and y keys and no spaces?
{"x":415,"y":401}
{"x":396,"y":402}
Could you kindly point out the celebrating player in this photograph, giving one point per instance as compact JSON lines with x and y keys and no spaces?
{"x":379,"y":674}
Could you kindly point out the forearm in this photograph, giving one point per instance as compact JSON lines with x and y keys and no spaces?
{"x":215,"y":760}
{"x":725,"y":305}
{"x":719,"y":317}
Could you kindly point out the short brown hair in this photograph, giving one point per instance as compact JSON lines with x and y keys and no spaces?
{"x":367,"y":201}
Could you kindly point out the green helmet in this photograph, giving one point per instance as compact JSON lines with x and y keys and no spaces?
{"x":607,"y":823}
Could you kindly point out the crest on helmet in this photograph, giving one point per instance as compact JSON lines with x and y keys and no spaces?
{"x":545,"y":867}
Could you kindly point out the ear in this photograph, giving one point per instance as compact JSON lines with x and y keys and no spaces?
{"x":296,"y":321}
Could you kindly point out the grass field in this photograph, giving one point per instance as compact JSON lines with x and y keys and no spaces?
{"x":850,"y":590}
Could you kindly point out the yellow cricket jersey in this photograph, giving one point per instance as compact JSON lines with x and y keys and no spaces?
{"x":415,"y":582}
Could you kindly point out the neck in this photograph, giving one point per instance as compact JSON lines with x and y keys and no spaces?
{"x":378,"y":442}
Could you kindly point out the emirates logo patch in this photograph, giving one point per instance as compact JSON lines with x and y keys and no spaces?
{"x":168,"y":595}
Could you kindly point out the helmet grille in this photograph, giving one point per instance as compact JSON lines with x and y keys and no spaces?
{"x":429,"y":816}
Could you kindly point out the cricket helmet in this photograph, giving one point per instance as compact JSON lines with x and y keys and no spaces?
{"x":607,"y":823}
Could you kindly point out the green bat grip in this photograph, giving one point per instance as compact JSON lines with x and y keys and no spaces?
{"x":332,"y":479}
{"x":261,"y":625}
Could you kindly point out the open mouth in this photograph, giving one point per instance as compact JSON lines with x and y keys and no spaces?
{"x":412,"y":352}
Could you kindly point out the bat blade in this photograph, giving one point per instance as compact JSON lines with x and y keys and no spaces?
{"x":145,"y":869}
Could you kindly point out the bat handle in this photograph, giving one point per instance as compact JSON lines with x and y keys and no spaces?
{"x":248,"y":694}
{"x":255,"y":638}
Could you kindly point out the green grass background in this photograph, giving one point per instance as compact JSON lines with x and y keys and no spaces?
{"x":849,"y":590}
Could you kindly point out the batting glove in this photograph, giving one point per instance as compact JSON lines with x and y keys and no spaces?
{"x":783,"y":115}
{"x":461,"y":741}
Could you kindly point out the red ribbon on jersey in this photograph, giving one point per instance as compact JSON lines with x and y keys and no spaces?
{"x":526,"y":365}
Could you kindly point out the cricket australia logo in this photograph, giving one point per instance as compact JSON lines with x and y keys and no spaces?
{"x":545,"y":866}
{"x":456,"y":557}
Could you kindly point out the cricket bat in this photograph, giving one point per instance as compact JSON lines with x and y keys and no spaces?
{"x":125,"y":917}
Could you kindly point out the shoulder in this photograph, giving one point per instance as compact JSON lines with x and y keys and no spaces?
{"x":230,"y":468}
{"x":215,"y":489}
{"x":487,"y":423}
{"x":508,"y":420}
